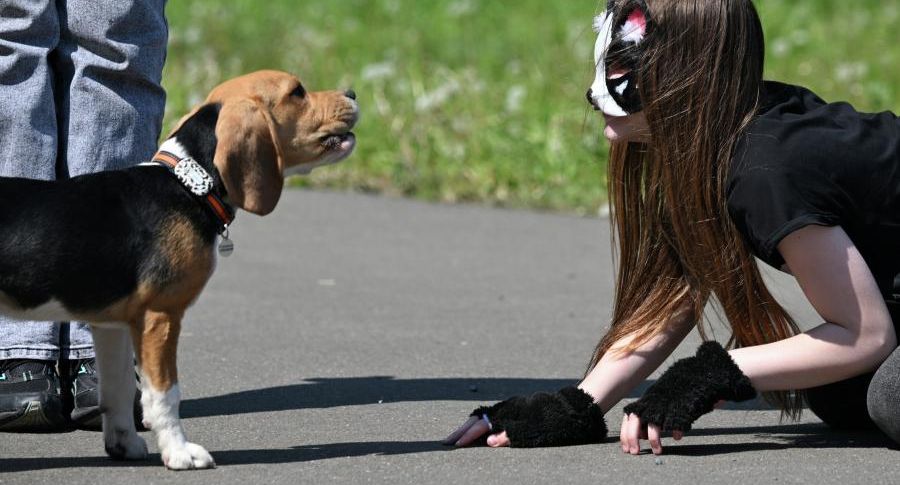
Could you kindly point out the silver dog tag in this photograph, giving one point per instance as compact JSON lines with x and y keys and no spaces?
{"x":226,"y":247}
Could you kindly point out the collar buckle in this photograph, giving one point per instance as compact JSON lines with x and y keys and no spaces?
{"x":196,"y":180}
{"x":193,"y":176}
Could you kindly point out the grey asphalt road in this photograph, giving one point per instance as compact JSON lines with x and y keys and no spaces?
{"x":349,"y":334}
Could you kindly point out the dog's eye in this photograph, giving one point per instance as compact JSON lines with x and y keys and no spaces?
{"x":299,"y":91}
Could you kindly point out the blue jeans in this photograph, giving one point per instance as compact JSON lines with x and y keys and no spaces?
{"x":79,"y":93}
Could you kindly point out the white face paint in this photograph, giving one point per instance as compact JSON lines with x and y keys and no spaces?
{"x":599,"y":90}
{"x":619,"y":37}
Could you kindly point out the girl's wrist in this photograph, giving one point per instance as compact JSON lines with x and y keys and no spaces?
{"x":591,"y":389}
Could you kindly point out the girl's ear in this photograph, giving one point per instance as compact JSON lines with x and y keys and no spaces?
{"x":247,"y":158}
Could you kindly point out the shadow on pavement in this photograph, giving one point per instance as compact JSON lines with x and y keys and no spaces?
{"x":813,"y":435}
{"x":319,"y":393}
{"x":791,"y":436}
{"x":8,"y":465}
{"x":296,"y":454}
{"x":327,"y":451}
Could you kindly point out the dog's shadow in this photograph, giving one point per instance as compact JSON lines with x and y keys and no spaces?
{"x":270,"y":456}
{"x":319,"y":393}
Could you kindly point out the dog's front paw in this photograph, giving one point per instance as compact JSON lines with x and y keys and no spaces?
{"x":125,"y":445}
{"x":187,"y":457}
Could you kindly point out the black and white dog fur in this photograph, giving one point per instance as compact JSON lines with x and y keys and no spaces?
{"x":128,"y":251}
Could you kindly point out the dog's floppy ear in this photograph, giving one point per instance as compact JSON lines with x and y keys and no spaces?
{"x":182,"y":120}
{"x":248,"y":156}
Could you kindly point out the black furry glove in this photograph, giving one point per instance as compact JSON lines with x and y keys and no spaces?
{"x":567,"y":417}
{"x":691,"y":387}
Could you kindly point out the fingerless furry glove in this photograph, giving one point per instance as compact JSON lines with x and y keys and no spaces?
{"x":567,"y":417}
{"x":691,"y":387}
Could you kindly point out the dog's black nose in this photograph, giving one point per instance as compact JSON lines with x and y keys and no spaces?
{"x":590,"y":96}
{"x":350,"y":94}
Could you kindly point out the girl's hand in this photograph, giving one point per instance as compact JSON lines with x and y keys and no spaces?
{"x":566,"y":417}
{"x":472,"y":430}
{"x":633,"y":431}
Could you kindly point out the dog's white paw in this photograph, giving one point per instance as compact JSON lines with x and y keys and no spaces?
{"x":187,"y":457}
{"x":125,"y":445}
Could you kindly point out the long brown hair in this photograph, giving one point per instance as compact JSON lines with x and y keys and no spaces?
{"x":700,"y":82}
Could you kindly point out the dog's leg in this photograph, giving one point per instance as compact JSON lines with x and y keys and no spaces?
{"x":114,"y":360}
{"x":161,"y":396}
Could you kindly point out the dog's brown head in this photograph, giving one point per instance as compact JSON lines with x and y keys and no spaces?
{"x":270,"y":126}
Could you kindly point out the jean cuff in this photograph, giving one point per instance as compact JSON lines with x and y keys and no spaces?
{"x":80,"y":352}
{"x":29,"y":353}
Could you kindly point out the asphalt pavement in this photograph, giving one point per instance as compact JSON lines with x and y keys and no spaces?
{"x":348,"y":335}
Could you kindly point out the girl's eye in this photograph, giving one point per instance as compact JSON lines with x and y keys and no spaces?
{"x":298,"y":91}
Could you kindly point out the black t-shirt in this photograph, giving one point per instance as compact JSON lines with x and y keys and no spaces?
{"x":803,"y":161}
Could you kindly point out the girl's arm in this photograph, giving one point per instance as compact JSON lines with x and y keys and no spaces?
{"x":617,"y":373}
{"x":858,"y":335}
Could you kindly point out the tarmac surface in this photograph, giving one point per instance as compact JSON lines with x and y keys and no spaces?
{"x":348,"y":335}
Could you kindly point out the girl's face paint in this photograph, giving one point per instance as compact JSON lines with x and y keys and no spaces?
{"x":616,"y":55}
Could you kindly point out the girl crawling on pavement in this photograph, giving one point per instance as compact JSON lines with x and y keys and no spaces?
{"x":710,"y":166}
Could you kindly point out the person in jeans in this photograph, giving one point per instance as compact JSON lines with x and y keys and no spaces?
{"x":79,"y":93}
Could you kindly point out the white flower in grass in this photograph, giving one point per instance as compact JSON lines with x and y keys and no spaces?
{"x":438,"y":96}
{"x":514,"y":97}
{"x":391,"y":6}
{"x":461,"y":7}
{"x":377,"y":70}
{"x":780,"y":47}
{"x":890,"y":12}
{"x":850,"y":71}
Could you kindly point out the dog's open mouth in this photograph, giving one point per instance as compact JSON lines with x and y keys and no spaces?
{"x":339,"y":141}
{"x":337,"y":146}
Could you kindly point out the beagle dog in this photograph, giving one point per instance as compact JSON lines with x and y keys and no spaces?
{"x":128,"y":251}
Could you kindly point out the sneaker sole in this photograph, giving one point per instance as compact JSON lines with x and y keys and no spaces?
{"x":92,"y":420}
{"x":32,"y":419}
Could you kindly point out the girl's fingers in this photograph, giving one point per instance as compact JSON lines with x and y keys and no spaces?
{"x":477,"y":430}
{"x":633,"y":431}
{"x":653,"y":435}
{"x":456,"y":435}
{"x":498,"y":440}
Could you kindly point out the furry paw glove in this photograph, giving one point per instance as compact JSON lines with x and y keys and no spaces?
{"x":691,"y":388}
{"x":567,"y":417}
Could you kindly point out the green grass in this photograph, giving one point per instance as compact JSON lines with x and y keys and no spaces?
{"x":467,"y":100}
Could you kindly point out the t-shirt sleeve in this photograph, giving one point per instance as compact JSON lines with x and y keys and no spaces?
{"x":768,"y":201}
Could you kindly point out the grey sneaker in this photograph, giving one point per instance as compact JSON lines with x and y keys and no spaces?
{"x":30,"y":399}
